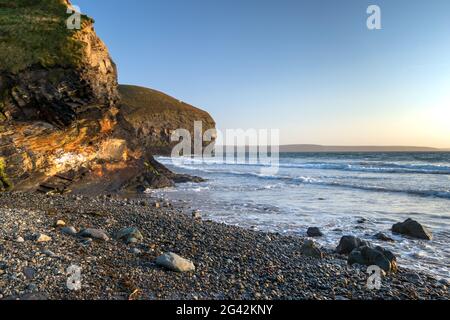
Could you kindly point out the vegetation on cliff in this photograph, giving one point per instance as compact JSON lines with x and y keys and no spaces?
{"x":60,"y":126}
{"x":151,"y":106}
{"x":155,"y":115}
{"x":34,"y":32}
{"x":5,"y":184}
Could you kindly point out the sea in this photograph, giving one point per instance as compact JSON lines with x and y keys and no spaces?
{"x":357,"y":194}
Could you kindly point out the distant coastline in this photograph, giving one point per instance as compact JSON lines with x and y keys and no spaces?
{"x":319,"y":148}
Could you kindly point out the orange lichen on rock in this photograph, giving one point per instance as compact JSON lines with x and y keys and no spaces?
{"x":107,"y":125}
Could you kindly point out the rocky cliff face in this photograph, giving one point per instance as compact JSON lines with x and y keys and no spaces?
{"x":154,"y":116}
{"x":60,"y":126}
{"x":47,"y":88}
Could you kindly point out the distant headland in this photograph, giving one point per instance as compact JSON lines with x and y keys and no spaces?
{"x":321,"y":148}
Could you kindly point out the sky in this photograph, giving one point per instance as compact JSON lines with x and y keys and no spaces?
{"x":310,"y":68}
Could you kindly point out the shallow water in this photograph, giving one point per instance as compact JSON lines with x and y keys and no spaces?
{"x":332,"y":191}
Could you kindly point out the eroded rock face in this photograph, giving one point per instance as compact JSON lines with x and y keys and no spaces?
{"x":55,"y":111}
{"x":61,"y":129}
{"x":154,"y":117}
{"x":58,"y":95}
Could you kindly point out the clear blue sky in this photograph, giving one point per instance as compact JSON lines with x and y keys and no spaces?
{"x":308,"y":67}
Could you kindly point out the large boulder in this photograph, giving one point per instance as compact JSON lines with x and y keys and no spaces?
{"x":348,"y":243}
{"x":129,"y":235}
{"x":314,"y":232}
{"x":412,"y":229}
{"x":175,"y":263}
{"x":378,"y":256}
{"x":310,"y":249}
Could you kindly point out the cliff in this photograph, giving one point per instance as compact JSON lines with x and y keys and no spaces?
{"x":61,"y":128}
{"x":155,"y":115}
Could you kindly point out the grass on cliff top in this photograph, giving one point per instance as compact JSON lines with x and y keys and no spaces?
{"x":34,"y":32}
{"x":146,"y":105}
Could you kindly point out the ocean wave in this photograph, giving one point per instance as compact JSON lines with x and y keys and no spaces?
{"x":371,"y":167}
{"x":443,"y":194}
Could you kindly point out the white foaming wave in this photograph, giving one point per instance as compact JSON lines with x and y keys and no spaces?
{"x":373,"y":167}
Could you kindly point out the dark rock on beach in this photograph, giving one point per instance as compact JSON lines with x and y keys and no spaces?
{"x":310,"y":249}
{"x":96,"y":234}
{"x":373,"y":256}
{"x":314,"y":232}
{"x":348,"y":243}
{"x":130,"y":235}
{"x":412,"y":229}
{"x":382,"y":237}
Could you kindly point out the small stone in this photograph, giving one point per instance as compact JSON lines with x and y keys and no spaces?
{"x":174,"y":262}
{"x":157,"y":205}
{"x":87,"y":242}
{"x":130,"y":235}
{"x":60,"y":224}
{"x":414,"y":278}
{"x":96,"y":234}
{"x":382,"y":237}
{"x":196,"y":214}
{"x":29,"y":273}
{"x":314,"y":232}
{"x":132,"y":240}
{"x":310,"y":249}
{"x":42,"y":238}
{"x":20,"y":239}
{"x":135,"y":251}
{"x":32,"y":287}
{"x":49,"y":253}
{"x":69,"y":231}
{"x":444,"y":282}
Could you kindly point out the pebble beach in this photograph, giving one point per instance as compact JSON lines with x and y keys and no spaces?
{"x":119,"y":244}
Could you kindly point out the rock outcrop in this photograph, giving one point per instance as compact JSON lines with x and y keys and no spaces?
{"x":154,"y":116}
{"x":377,"y":256}
{"x":348,"y":243}
{"x":61,"y":128}
{"x":413,"y":229}
{"x":52,"y":74}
